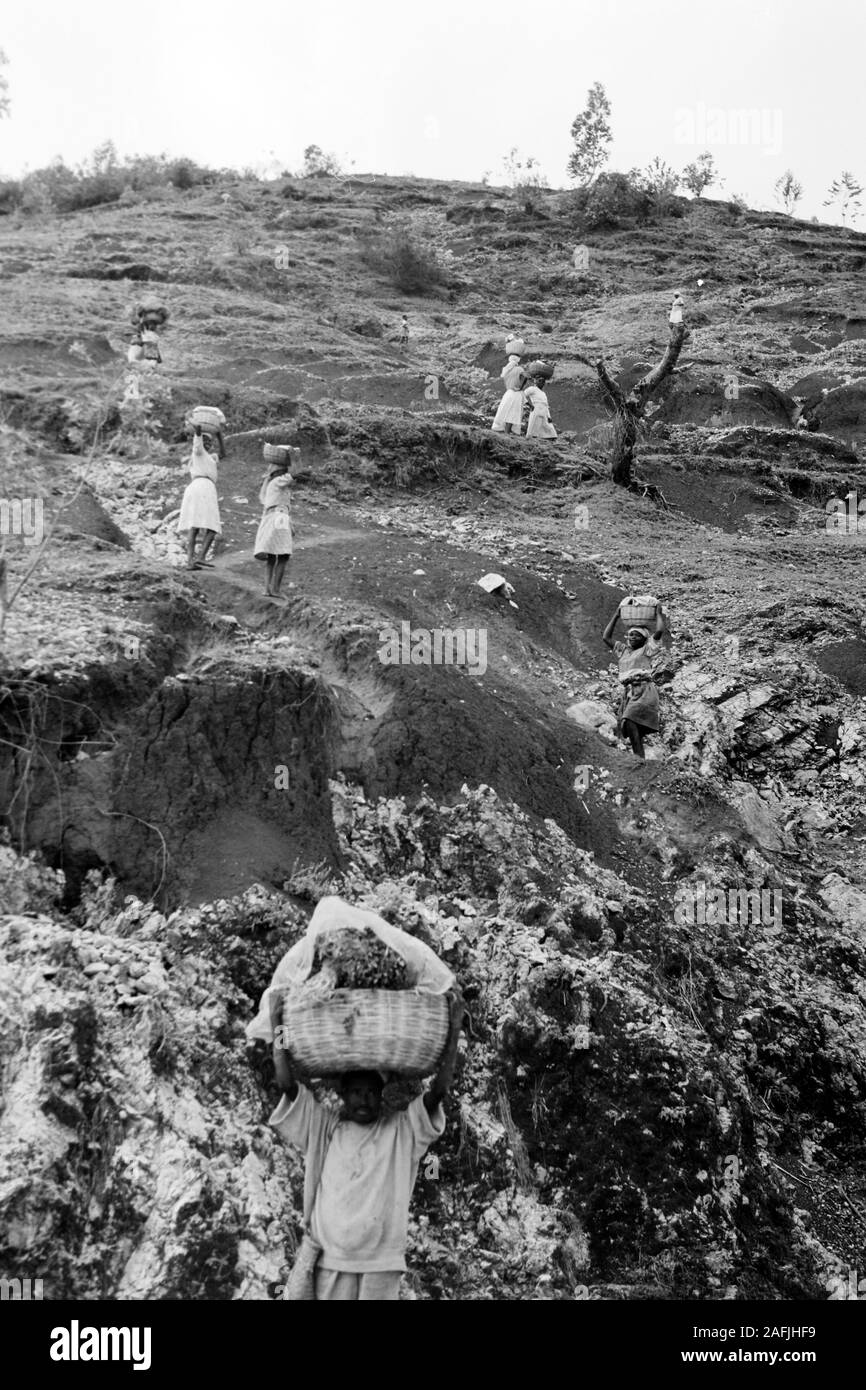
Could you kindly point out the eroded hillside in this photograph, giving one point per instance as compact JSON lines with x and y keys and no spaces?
{"x":648,"y":1106}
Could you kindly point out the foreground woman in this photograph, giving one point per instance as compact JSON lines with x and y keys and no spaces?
{"x":360,"y":1166}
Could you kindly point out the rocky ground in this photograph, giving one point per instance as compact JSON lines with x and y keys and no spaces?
{"x":648,"y":1104}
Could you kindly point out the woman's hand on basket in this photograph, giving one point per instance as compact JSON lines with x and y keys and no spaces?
{"x":441,"y":1083}
{"x":282,"y":1059}
{"x":457,"y":1011}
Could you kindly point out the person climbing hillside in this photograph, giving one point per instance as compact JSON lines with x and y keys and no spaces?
{"x":539,"y":426}
{"x":404,"y":332}
{"x":638,"y":711}
{"x":509,"y":415}
{"x":273,"y":542}
{"x":676,"y":314}
{"x":150,"y":353}
{"x":360,"y":1167}
{"x":199,"y":510}
{"x":148,"y":317}
{"x":135,"y":350}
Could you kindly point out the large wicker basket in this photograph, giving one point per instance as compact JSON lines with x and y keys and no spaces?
{"x":636,"y":614}
{"x":399,"y":1030}
{"x":275,"y":453}
{"x":542,"y":369}
{"x":209,"y":417}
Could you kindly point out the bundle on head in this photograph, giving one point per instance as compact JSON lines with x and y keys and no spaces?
{"x":359,"y":959}
{"x":151,"y":314}
{"x":276,"y":453}
{"x":210,"y":417}
{"x":542,"y":369}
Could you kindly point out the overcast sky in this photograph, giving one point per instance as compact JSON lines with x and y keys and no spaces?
{"x":444,"y":89}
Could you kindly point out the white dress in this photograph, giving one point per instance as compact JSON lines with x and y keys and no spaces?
{"x":274,"y":536}
{"x":676,"y":311}
{"x":539,"y":426}
{"x":510,"y":411}
{"x":199,"y":509}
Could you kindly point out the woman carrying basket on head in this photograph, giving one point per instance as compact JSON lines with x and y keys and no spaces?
{"x":639,"y":704}
{"x":539,"y":426}
{"x":274,"y":537}
{"x":199,"y":510}
{"x":509,"y":415}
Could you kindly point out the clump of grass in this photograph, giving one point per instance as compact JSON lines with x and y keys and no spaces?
{"x":311,"y":881}
{"x":404,"y":258}
{"x":520,"y":1156}
{"x":203,"y":653}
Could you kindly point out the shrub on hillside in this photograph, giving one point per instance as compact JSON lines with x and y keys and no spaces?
{"x":661,"y":182}
{"x":102,"y":179}
{"x":511,"y":240}
{"x":43,"y":190}
{"x":657,"y":177}
{"x":543,"y":282}
{"x":90,"y":192}
{"x":701,"y":174}
{"x":410,"y":265}
{"x":10,"y":196}
{"x":668,"y":205}
{"x":182,"y":174}
{"x":610,"y":199}
{"x":319,"y":164}
{"x":526,"y":178}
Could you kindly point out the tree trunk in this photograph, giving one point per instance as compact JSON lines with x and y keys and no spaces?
{"x":629,"y":409}
{"x":622,"y":447}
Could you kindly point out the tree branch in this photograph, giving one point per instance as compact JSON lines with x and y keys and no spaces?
{"x":642,"y":388}
{"x":613,"y":390}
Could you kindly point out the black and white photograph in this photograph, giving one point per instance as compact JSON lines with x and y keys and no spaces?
{"x":432,"y":674}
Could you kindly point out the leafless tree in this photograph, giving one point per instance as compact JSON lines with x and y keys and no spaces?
{"x":629,"y":408}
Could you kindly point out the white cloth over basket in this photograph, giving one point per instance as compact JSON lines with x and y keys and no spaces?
{"x":428,"y":973}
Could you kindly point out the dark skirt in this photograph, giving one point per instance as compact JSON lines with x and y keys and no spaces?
{"x":640,"y":704}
